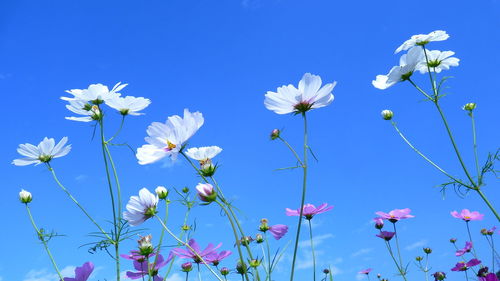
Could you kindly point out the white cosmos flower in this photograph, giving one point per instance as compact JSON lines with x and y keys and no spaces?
{"x":308,"y":96}
{"x":438,"y":61}
{"x":423,"y":39}
{"x":95,"y":93}
{"x":407,"y":65}
{"x":128,"y":105}
{"x":167,"y":139}
{"x":81,"y":107}
{"x":43,"y":153}
{"x":140,"y":208}
{"x":203,"y":154}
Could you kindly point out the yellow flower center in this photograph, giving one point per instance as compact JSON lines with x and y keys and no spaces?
{"x":170,"y":146}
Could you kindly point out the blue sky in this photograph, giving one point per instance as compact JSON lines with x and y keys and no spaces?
{"x":220,"y":57}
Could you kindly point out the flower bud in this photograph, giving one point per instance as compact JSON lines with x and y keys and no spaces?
{"x":264,"y":225}
{"x":162,"y":192}
{"x":185,"y":190}
{"x":378,"y":275}
{"x":186,"y":267}
{"x":482,"y":272}
{"x":208,"y":169}
{"x":439,"y":275}
{"x":419,"y":258}
{"x":379,"y":223}
{"x":241,"y":268}
{"x":427,"y":250}
{"x":326,"y":271}
{"x":484,"y":231}
{"x":387,"y":114}
{"x":145,"y":246}
{"x":206,"y":192}
{"x":258,"y":238}
{"x":254,"y":263}
{"x":453,"y":240}
{"x":224,"y":271}
{"x":25,"y":196}
{"x":185,"y":227}
{"x":275,"y":134}
{"x":246,"y":240}
{"x":469,"y":106}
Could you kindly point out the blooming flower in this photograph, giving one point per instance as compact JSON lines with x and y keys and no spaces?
{"x":215,"y":258}
{"x":423,"y":39}
{"x":128,"y":105}
{"x":438,"y":61}
{"x":309,"y":95}
{"x":467,"y":215}
{"x":386,"y":235}
{"x":140,"y":208}
{"x":80,"y":107}
{"x":25,"y":196}
{"x":466,"y":249}
{"x":206,"y":192}
{"x":309,"y":210}
{"x":196,"y":253}
{"x":395,"y":215}
{"x":95,"y":93}
{"x":365,"y":271}
{"x":489,"y":277}
{"x":43,"y":153}
{"x":136,"y":256}
{"x":407,"y":65}
{"x":151,"y":269}
{"x":463,"y":266}
{"x":278,"y":230}
{"x":203,"y":154}
{"x":167,"y":139}
{"x":82,"y":273}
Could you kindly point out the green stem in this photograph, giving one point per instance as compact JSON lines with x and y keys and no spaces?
{"x":481,"y":194}
{"x":304,"y":187}
{"x":269,"y":269}
{"x":76,"y":202}
{"x":474,"y":139}
{"x":189,"y":247}
{"x":312,"y":249}
{"x":423,"y":156}
{"x":433,"y":82}
{"x":160,"y":241}
{"x":118,"y":131}
{"x":240,"y":253}
{"x":470,"y":239}
{"x":291,"y":149}
{"x":180,"y":237}
{"x":420,"y":90}
{"x":115,"y":218}
{"x":45,"y":245}
{"x":400,"y":269}
{"x":426,"y":271}
{"x":397,"y":248}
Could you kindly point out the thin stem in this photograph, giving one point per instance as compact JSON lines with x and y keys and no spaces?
{"x":466,"y":276}
{"x":235,"y":234}
{"x":304,"y":187}
{"x":269,"y":269}
{"x":160,"y":241}
{"x":118,"y":131}
{"x":397,"y":247}
{"x":187,"y":275}
{"x":118,"y":187}
{"x":481,"y":194}
{"x":420,"y":90}
{"x":45,"y":245}
{"x":291,"y":149}
{"x":470,"y":239}
{"x":423,"y":156}
{"x":312,"y":249}
{"x":180,"y":237}
{"x":400,"y":269}
{"x":76,"y":202}
{"x":199,"y":272}
{"x":426,"y":271}
{"x":189,"y":247}
{"x":474,"y":139}
{"x":433,"y":81}
{"x":116,"y":219}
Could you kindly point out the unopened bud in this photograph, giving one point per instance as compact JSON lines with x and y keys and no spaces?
{"x":25,"y":196}
{"x":387,"y":114}
{"x":224,"y":271}
{"x":419,"y":258}
{"x":326,"y":271}
{"x":379,"y":223}
{"x":185,"y":190}
{"x":206,"y":192}
{"x":254,"y":263}
{"x":275,"y":134}
{"x":186,"y":267}
{"x":162,"y":192}
{"x":427,"y":250}
{"x":453,"y":240}
{"x":241,"y":268}
{"x":258,"y":238}
{"x":264,"y":225}
{"x":469,"y":106}
{"x":439,"y":276}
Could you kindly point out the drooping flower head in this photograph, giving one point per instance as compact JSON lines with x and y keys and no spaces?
{"x":467,"y":215}
{"x":82,"y":273}
{"x":395,"y":215}
{"x":309,"y":210}
{"x":128,"y":105}
{"x":466,"y":249}
{"x":407,"y":65}
{"x":422,"y":40}
{"x":43,"y":153}
{"x":438,"y":61}
{"x":196,"y":253}
{"x":167,"y":139}
{"x":386,"y":235}
{"x":140,"y":208}
{"x":463,"y":266}
{"x":365,"y":271}
{"x":309,"y":95}
{"x":204,"y":156}
{"x":149,"y":269}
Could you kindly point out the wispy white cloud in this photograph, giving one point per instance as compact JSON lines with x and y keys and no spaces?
{"x":318,"y":240}
{"x":361,"y":252}
{"x":415,"y":245}
{"x":81,"y":177}
{"x":175,"y":277}
{"x":46,"y":275}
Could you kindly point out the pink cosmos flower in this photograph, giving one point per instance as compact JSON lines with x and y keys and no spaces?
{"x":215,"y":258}
{"x":489,"y":277}
{"x":466,"y":249}
{"x":278,"y":230}
{"x":365,"y":271}
{"x":395,"y":215}
{"x":145,"y":269}
{"x":467,"y":215}
{"x":309,"y":210}
{"x":136,"y":256}
{"x":386,"y":235}
{"x":462,"y":266}
{"x":197,"y":253}
{"x":82,"y":273}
